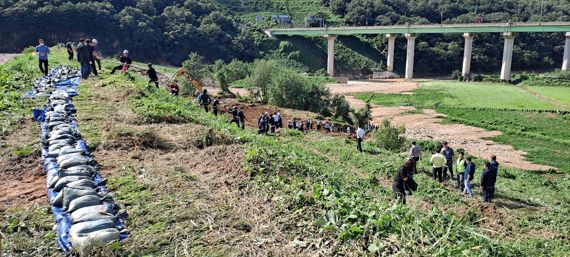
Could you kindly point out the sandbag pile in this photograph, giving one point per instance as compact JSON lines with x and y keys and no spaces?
{"x":84,"y":212}
{"x":60,"y":78}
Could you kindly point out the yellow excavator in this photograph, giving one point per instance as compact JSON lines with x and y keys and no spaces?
{"x":175,"y":88}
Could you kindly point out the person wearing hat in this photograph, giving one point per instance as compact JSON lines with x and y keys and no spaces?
{"x":152,"y":76}
{"x":125,"y":61}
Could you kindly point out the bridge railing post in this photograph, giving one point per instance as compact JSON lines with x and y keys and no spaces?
{"x":330,"y":54}
{"x":507,"y":55}
{"x":466,"y":69}
{"x":566,"y":57}
{"x":410,"y":55}
{"x":390,"y":55}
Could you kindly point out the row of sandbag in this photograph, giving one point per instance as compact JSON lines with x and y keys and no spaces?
{"x":61,"y":78}
{"x":83,"y":209}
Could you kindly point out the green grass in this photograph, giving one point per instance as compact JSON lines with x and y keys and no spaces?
{"x":561,"y":94}
{"x":528,"y":122}
{"x":544,"y":136}
{"x":320,"y":188}
{"x":465,"y":95}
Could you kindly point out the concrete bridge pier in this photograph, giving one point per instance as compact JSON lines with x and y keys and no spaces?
{"x":330,"y":54}
{"x":566,"y":58}
{"x":467,"y":54}
{"x":507,"y":55}
{"x":390,"y":56}
{"x":410,"y":55}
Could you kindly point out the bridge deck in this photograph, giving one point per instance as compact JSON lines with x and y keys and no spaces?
{"x":422,"y":29}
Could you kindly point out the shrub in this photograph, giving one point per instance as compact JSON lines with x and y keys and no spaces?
{"x":456,"y":74}
{"x":340,"y":108}
{"x":363,"y":115}
{"x":389,"y":137}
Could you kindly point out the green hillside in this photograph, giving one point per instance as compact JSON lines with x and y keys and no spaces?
{"x":196,"y":185}
{"x":168,"y":31}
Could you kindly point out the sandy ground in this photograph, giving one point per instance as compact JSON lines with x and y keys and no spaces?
{"x":6,"y":57}
{"x":427,"y":125}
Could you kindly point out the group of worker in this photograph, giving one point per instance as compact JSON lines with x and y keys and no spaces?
{"x":87,"y":54}
{"x":442,"y":167}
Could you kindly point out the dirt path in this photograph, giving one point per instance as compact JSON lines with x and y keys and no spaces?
{"x":6,"y":57}
{"x":427,"y":125}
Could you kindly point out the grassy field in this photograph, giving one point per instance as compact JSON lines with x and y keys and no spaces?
{"x":529,"y":122}
{"x":194,"y":185}
{"x":561,"y":94}
{"x":466,"y":95}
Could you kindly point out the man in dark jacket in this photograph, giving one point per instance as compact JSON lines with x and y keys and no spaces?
{"x":125,"y":62}
{"x":152,"y":76}
{"x":69,"y":49}
{"x":92,"y":56}
{"x":488,"y":179}
{"x":83,"y":58}
{"x":400,"y":182}
{"x":216,"y":106}
{"x":242,"y":118}
{"x":205,"y":99}
{"x":494,"y":164}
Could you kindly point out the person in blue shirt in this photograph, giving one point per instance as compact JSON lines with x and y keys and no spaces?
{"x":488,"y":180}
{"x":468,"y":175}
{"x":42,"y":52}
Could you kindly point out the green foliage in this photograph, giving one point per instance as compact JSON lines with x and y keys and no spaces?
{"x":341,"y":109}
{"x":363,"y":115}
{"x":390,"y":137}
{"x":23,"y":152}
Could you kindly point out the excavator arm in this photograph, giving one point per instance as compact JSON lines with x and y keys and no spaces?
{"x":182,"y":72}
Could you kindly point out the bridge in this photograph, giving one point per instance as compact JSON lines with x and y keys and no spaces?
{"x":507,"y":30}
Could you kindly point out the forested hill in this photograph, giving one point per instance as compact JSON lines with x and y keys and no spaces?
{"x":167,"y":31}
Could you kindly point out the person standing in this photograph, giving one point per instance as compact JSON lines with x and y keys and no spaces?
{"x":96,"y":53}
{"x":92,"y":56}
{"x":205,"y":99}
{"x":461,"y":165}
{"x":125,"y":61}
{"x":494,"y":164}
{"x":468,"y":175}
{"x":399,"y":185}
{"x":415,"y":153}
{"x":242,"y":118}
{"x":69,"y":49}
{"x":438,"y":162}
{"x":488,"y":180}
{"x":83,"y":58}
{"x":360,"y":133}
{"x":262,"y":124}
{"x":215,"y":106}
{"x":448,"y":153}
{"x":42,"y":52}
{"x":152,"y":76}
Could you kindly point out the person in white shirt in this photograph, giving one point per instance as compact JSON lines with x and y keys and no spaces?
{"x":360,"y":133}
